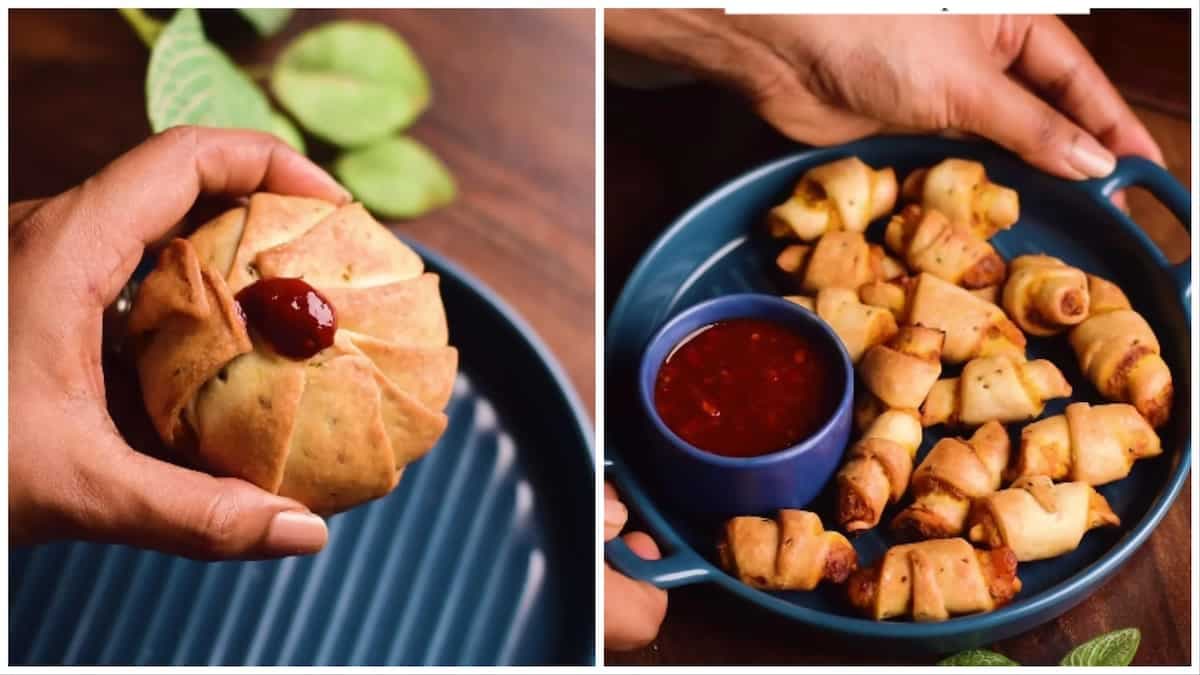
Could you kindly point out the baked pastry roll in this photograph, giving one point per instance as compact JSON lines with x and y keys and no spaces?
{"x":331,"y":429}
{"x":1005,"y":388}
{"x":901,"y":371}
{"x":928,"y":242}
{"x":840,"y":259}
{"x":1120,"y":354}
{"x":1088,"y":444}
{"x":792,"y":552}
{"x":859,"y":326}
{"x":842,"y":195}
{"x":960,"y":189}
{"x":973,"y":326}
{"x":1044,"y":295}
{"x":935,"y":580}
{"x":877,"y":469}
{"x":953,"y":473}
{"x":1037,"y":518}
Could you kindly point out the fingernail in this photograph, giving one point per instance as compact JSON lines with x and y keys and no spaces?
{"x":295,"y":533}
{"x":1090,"y":158}
{"x":615,"y":513}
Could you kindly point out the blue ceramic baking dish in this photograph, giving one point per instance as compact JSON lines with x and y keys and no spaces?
{"x":477,"y":558}
{"x":718,"y":247}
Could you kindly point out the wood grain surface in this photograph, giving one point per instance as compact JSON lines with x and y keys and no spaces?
{"x":513,"y":117}
{"x":666,"y":149}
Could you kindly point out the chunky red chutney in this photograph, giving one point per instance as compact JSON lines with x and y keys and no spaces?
{"x":293,"y":317}
{"x":747,"y":387}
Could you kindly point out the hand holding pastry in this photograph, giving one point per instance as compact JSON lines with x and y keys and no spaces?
{"x":960,"y":189}
{"x":877,"y":469}
{"x":70,"y":473}
{"x":792,"y":552}
{"x":1090,"y":444}
{"x":929,"y":242}
{"x":1044,"y":295}
{"x":1038,"y":518}
{"x":845,"y":194}
{"x":1003,"y":388}
{"x":839,"y":260}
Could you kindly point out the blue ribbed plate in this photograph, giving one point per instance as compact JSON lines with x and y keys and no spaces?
{"x":718,"y":247}
{"x":483,"y":554}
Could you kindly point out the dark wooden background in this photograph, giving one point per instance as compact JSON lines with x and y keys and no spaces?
{"x":666,"y":149}
{"x":513,"y":116}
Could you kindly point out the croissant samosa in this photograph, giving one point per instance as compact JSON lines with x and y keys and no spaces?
{"x":973,"y":326}
{"x":841,"y":259}
{"x":1089,"y":444}
{"x":1005,"y":388}
{"x":960,"y":189}
{"x":1120,"y":354}
{"x":877,"y":469}
{"x":1038,"y":518}
{"x":935,"y":580}
{"x":901,"y":371}
{"x":859,"y":326}
{"x":330,"y":429}
{"x":794,"y":552}
{"x":842,"y":195}
{"x":1044,"y":295}
{"x":953,"y":473}
{"x":928,"y":242}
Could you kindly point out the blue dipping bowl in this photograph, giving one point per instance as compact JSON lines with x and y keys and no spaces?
{"x":708,"y":484}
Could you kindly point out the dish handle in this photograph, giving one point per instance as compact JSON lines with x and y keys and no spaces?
{"x":1136,"y":171}
{"x":679,"y":567}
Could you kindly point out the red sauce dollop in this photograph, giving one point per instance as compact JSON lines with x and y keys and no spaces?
{"x":291,"y":315}
{"x":746,"y":387}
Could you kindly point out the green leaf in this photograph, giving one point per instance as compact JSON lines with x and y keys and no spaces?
{"x":189,"y":81}
{"x":977,"y":657}
{"x":282,"y":127}
{"x":396,"y":178}
{"x":1111,"y":649}
{"x":351,"y":83}
{"x":147,"y":27}
{"x":266,"y":20}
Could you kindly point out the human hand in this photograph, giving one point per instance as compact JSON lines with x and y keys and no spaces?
{"x":1026,"y":83}
{"x":71,"y":475}
{"x":633,"y":610}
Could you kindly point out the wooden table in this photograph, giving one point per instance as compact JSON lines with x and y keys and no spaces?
{"x":666,"y":149}
{"x":513,"y":116}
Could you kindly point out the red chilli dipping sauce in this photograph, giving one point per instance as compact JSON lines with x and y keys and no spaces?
{"x":746,"y":387}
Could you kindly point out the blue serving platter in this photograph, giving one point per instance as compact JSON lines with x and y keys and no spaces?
{"x":719,"y":246}
{"x":482,"y":556}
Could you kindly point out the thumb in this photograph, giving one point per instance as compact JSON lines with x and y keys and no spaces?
{"x":1007,"y":113}
{"x":141,"y":501}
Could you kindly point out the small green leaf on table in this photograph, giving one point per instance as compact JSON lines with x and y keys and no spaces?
{"x":977,"y":657}
{"x":266,"y":20}
{"x":351,"y":83}
{"x":147,"y":27}
{"x":190,"y":81}
{"x":1111,"y":649}
{"x":396,"y":178}
{"x":282,"y":127}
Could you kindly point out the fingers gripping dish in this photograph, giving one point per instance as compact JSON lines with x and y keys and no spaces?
{"x":929,"y":242}
{"x":1037,"y":518}
{"x":839,"y":260}
{"x":877,"y":469}
{"x":232,"y":379}
{"x":1003,"y":388}
{"x":792,"y":552}
{"x":1089,"y":444}
{"x":842,"y":195}
{"x":960,"y":189}
{"x":1044,"y":295}
{"x":859,"y":326}
{"x":952,"y":474}
{"x":935,"y":580}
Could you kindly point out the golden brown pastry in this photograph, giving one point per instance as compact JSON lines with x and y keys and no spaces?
{"x":792,"y":552}
{"x":960,"y":189}
{"x":1090,"y":444}
{"x":973,"y":327}
{"x":1044,"y":295}
{"x":1037,"y":518}
{"x":1120,"y":354}
{"x":901,"y":371}
{"x":859,"y":326}
{"x":928,"y":242}
{"x":842,"y":195}
{"x":953,"y":473}
{"x":1005,"y":388}
{"x":891,"y":295}
{"x":840,"y":259}
{"x":935,"y":580}
{"x":330,"y":430}
{"x":877,"y":469}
